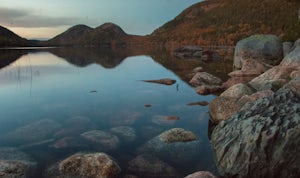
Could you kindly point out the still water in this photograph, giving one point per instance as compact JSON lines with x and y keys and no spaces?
{"x":76,"y":94}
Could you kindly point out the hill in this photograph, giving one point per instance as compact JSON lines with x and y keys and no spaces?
{"x":10,"y":39}
{"x":224,"y":22}
{"x":106,"y":35}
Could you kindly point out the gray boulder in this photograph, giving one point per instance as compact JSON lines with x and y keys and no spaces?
{"x":262,"y":140}
{"x":204,"y":78}
{"x":263,"y":48}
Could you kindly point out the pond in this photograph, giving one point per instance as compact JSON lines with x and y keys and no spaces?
{"x":50,"y":97}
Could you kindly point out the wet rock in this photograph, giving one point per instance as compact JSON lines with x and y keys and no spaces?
{"x":261,"y":141}
{"x":34,"y":132}
{"x":208,"y":89}
{"x":177,"y":153}
{"x":201,"y":174}
{"x":262,"y":48}
{"x":164,"y":81}
{"x":204,"y":78}
{"x":149,"y":131}
{"x":101,"y":140}
{"x":177,"y":135}
{"x":149,"y":166}
{"x":125,"y":133}
{"x":16,"y":169}
{"x":93,"y":165}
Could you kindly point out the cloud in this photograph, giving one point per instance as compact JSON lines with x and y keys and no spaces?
{"x":25,"y":18}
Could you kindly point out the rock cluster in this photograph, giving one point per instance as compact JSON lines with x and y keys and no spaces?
{"x":259,"y":122}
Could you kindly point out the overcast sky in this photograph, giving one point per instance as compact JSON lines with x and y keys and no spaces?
{"x":47,"y":18}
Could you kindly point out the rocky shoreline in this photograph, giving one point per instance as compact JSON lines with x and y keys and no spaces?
{"x":258,"y":122}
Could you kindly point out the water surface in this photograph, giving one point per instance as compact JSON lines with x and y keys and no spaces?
{"x":105,"y":88}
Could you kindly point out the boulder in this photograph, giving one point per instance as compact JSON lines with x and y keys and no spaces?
{"x":175,"y":149}
{"x":163,"y":120}
{"x":69,"y":143}
{"x":237,"y":91}
{"x":34,"y":132}
{"x":263,"y":48}
{"x":222,"y":108}
{"x":201,"y":174}
{"x":125,"y":133}
{"x":235,"y":80}
{"x":11,"y":153}
{"x":272,"y":79}
{"x":250,"y":67}
{"x":262,"y":140}
{"x":149,"y":166}
{"x":92,"y":165}
{"x":102,"y":140}
{"x":204,"y":78}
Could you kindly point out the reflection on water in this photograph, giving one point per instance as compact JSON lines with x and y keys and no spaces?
{"x":49,"y":108}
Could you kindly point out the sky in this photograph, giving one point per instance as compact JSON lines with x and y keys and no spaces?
{"x":43,"y":19}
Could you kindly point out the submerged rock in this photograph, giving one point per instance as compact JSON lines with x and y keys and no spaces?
{"x":164,"y":81}
{"x":173,"y":148}
{"x":149,"y":166}
{"x":34,"y":132}
{"x":262,"y":140}
{"x":164,"y":120}
{"x":177,"y":135}
{"x":11,"y":153}
{"x":125,"y":133}
{"x":201,"y":103}
{"x":101,"y":140}
{"x":16,"y":169}
{"x":93,"y":165}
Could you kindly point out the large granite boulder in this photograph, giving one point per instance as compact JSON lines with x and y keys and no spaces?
{"x":149,"y":166}
{"x":250,"y":67}
{"x":176,"y":146}
{"x":33,"y":132}
{"x":92,"y":165}
{"x":262,"y":140}
{"x":263,"y":48}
